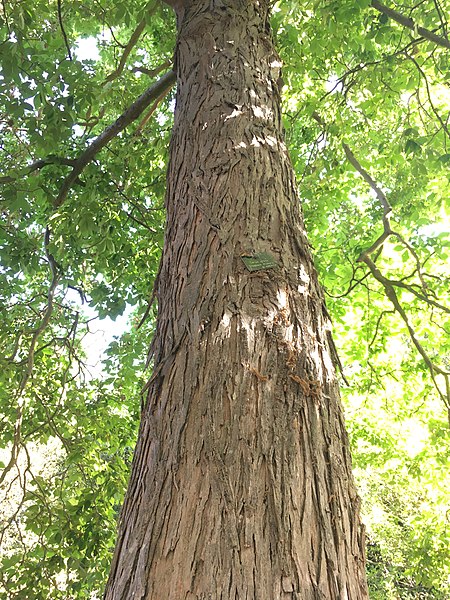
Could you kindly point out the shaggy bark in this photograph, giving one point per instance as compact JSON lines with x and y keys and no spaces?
{"x":241,"y":486}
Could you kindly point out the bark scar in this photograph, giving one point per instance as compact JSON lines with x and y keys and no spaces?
{"x":258,"y":375}
{"x":310,"y":387}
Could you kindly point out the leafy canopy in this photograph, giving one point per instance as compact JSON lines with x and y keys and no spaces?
{"x":366,"y":109}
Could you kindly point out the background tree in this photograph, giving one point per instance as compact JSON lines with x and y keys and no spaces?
{"x":365,"y":109}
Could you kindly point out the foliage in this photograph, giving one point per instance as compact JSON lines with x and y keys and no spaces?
{"x":366,"y":107}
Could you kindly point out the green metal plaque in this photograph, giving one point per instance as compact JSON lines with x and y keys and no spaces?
{"x":260,"y":261}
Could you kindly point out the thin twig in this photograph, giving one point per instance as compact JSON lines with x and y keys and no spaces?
{"x":441,"y":17}
{"x":152,"y":72}
{"x":5,"y":15}
{"x":61,"y":24}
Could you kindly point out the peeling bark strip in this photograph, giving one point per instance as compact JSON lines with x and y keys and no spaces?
{"x":241,"y":487}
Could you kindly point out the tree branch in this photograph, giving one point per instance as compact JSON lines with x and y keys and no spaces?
{"x":129,"y":47}
{"x":387,"y":208}
{"x":390,"y":285}
{"x":39,"y":164}
{"x":16,"y":443}
{"x":130,"y":115}
{"x":387,"y":232}
{"x":154,"y":106}
{"x":410,"y":24}
{"x":429,"y":96}
{"x":432,"y":367}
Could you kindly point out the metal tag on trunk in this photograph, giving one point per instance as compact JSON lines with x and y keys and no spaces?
{"x":260,"y":261}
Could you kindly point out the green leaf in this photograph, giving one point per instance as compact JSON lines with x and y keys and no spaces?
{"x":412,"y":147}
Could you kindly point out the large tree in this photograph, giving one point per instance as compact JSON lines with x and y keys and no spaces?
{"x":241,"y":483}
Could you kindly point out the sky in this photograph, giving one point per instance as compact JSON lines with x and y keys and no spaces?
{"x":87,"y":49}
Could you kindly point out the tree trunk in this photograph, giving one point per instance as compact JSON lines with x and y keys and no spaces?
{"x":241,"y":486}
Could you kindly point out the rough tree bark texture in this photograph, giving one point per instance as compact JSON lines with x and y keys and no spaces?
{"x":241,"y":487}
